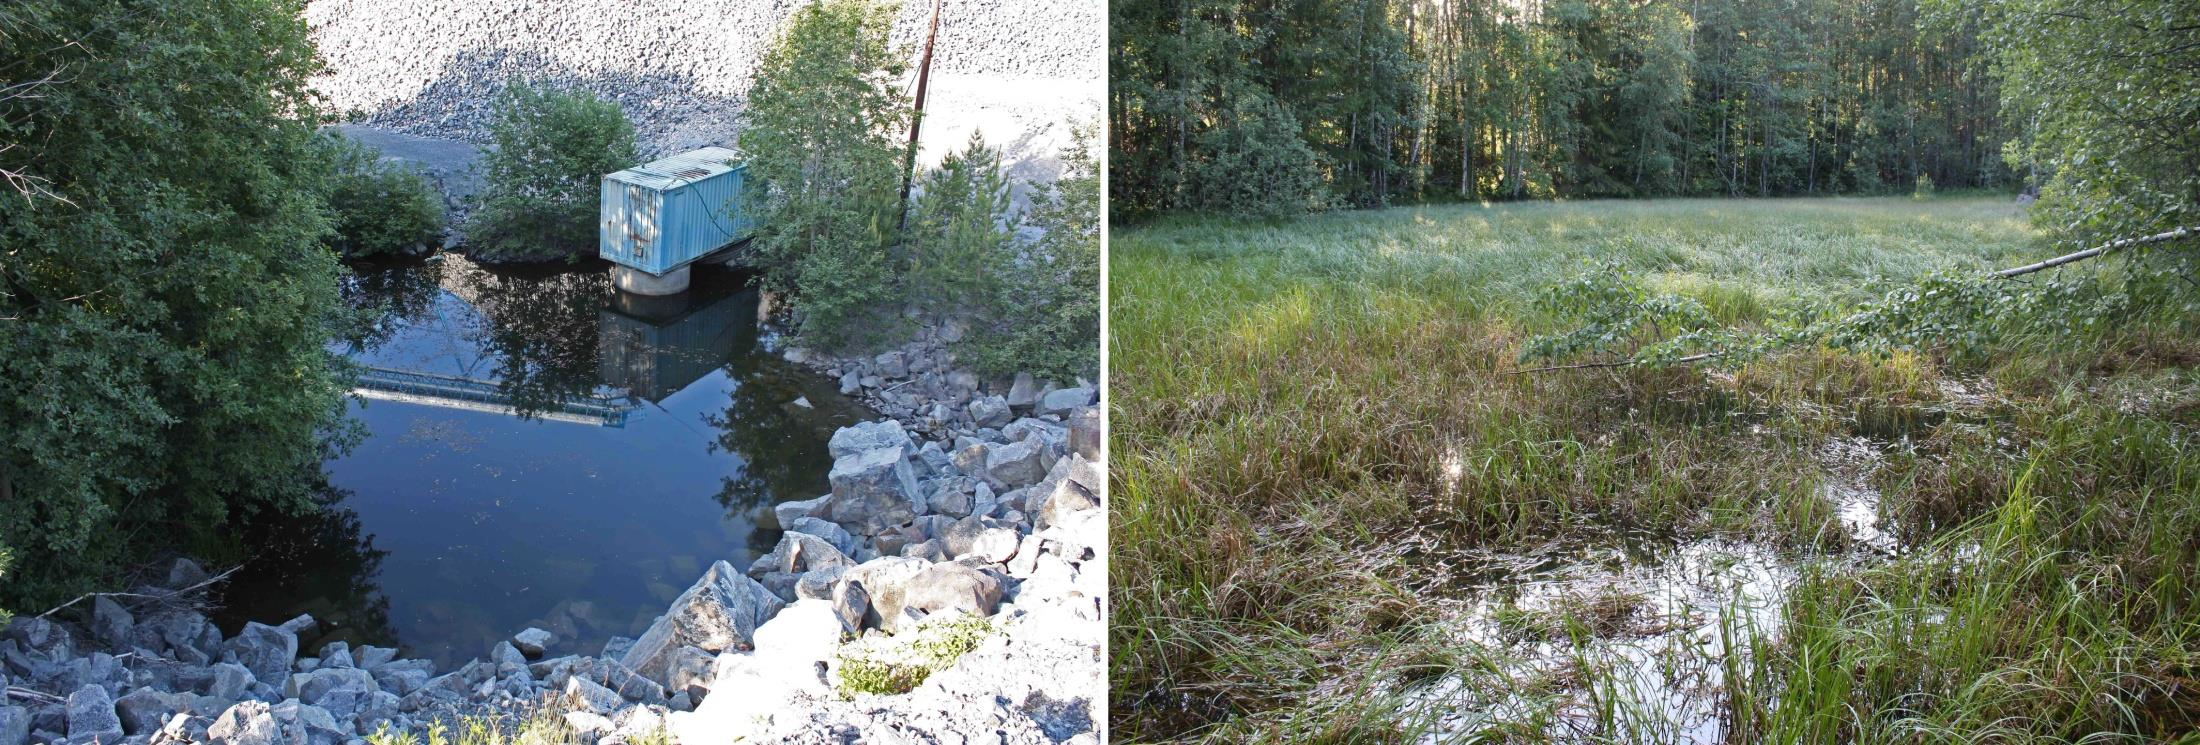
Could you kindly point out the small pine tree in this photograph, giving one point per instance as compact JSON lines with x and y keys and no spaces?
{"x":960,"y":233}
{"x":1045,"y":317}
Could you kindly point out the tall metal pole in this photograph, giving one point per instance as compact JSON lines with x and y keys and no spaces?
{"x":916,"y":123}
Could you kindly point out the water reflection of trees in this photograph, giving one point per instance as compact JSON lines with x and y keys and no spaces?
{"x":782,"y":445}
{"x":318,"y":561}
{"x":540,"y":329}
{"x":386,"y":296}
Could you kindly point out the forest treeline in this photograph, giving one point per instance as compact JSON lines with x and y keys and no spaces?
{"x":1280,"y":106}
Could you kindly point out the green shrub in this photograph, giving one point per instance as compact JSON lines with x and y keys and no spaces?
{"x":1924,"y":188}
{"x":1256,"y":165}
{"x":898,"y":664}
{"x":379,"y":208}
{"x":824,"y":162}
{"x":543,"y":180}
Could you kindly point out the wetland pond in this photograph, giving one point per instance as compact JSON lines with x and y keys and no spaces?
{"x":538,"y":449}
{"x":1633,"y":636}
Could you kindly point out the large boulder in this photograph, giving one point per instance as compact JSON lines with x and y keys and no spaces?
{"x":952,"y":586}
{"x":990,"y":411}
{"x":1084,"y":432}
{"x":720,"y":612}
{"x":789,"y":513}
{"x":851,"y":604}
{"x":92,"y":716}
{"x":306,"y":724}
{"x":874,"y":489}
{"x":587,"y":695}
{"x":951,"y":498}
{"x":884,"y":582}
{"x":828,"y":530}
{"x":980,"y":536}
{"x":799,"y":553}
{"x":1016,"y":464}
{"x":533,"y":642}
{"x":1062,"y":401}
{"x":177,"y":630}
{"x":336,"y":689}
{"x":892,"y":364}
{"x":1028,"y":428}
{"x":146,"y":710}
{"x":247,"y":723}
{"x":265,"y":650}
{"x":796,"y":555}
{"x":185,"y":573}
{"x":969,"y":458}
{"x":111,"y":624}
{"x":403,"y":676}
{"x":228,"y":680}
{"x":337,"y":654}
{"x":1073,"y":486}
{"x":869,"y":436}
{"x":39,"y":635}
{"x":1023,"y":394}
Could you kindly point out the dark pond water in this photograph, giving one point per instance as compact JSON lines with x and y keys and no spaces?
{"x":540,"y":450}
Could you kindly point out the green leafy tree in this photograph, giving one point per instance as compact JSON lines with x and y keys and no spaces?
{"x":821,"y":141}
{"x":164,"y":296}
{"x":379,"y":208}
{"x":544,"y":179}
{"x":2107,"y":95}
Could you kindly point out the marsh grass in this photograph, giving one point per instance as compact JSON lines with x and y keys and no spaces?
{"x":1307,"y":413}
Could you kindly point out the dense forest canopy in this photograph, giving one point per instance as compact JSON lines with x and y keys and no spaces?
{"x":1279,"y":106}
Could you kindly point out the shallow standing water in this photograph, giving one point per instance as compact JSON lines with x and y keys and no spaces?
{"x":540,"y":450}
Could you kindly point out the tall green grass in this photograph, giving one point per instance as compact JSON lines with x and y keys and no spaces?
{"x":1307,"y":412}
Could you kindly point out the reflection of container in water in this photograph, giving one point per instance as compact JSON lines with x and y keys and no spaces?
{"x":660,"y":217}
{"x":657,"y":347}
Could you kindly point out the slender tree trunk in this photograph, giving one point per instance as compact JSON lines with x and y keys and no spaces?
{"x":916,"y":123}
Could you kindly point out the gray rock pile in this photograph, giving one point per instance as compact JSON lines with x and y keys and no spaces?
{"x":918,"y":385}
{"x":681,"y":69}
{"x":1008,"y":526}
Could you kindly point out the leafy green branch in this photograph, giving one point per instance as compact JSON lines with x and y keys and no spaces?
{"x":1616,"y":321}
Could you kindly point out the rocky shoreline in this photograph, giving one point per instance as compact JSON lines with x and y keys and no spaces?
{"x":1001,"y":540}
{"x":917,"y":385}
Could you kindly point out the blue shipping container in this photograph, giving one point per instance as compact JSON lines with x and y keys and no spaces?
{"x":660,"y":216}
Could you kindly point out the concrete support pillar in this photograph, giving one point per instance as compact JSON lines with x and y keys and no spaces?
{"x":639,"y":282}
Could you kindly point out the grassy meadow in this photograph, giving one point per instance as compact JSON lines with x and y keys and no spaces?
{"x":1333,"y":487}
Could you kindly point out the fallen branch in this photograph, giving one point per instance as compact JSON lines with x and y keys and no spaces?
{"x":2172,"y":235}
{"x":178,"y":592}
{"x":1621,"y":363}
{"x":31,"y":695}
